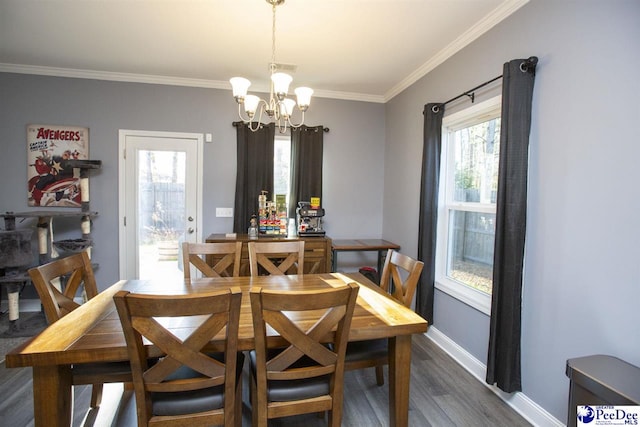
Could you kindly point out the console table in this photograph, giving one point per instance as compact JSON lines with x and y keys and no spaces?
{"x":317,"y":251}
{"x":362,"y":245}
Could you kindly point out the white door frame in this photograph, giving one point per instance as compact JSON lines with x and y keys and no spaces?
{"x":122,"y":137}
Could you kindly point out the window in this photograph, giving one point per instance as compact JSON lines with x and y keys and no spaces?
{"x":467,"y":208}
{"x":282,"y":165}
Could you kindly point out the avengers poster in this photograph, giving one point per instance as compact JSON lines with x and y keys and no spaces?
{"x":52,"y":181}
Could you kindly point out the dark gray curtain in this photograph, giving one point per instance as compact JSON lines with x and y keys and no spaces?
{"x":429,"y":183}
{"x":306,"y":165}
{"x":254,"y":171}
{"x":503,"y":361}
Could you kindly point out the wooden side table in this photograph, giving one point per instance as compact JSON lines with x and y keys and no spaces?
{"x":362,"y":245}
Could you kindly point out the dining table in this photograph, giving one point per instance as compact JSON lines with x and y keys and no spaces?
{"x":93,"y":333}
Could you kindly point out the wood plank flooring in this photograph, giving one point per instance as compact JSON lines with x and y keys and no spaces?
{"x":442,"y":394}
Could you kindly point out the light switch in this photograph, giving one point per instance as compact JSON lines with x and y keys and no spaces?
{"x":208,"y":137}
{"x":224,"y":212}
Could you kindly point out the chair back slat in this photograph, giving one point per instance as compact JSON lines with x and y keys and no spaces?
{"x":229,"y":252}
{"x":60,"y":281}
{"x":276,"y":258}
{"x":400,"y":276}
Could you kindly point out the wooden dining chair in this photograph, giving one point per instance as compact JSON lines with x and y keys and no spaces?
{"x":187,"y":386}
{"x":195,"y":254}
{"x":276,"y":258}
{"x":400,"y":277}
{"x":303,"y":372}
{"x":59,"y":285}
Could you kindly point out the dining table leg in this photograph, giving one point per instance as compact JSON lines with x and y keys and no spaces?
{"x":52,"y":396}
{"x":399,"y":375}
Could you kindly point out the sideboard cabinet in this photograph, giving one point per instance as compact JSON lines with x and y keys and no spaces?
{"x":317,"y":251}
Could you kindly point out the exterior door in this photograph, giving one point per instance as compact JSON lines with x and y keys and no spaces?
{"x":160,"y":201}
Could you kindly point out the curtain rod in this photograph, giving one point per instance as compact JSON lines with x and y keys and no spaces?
{"x":528,"y":64}
{"x":471,"y":92}
{"x":315,"y":128}
{"x":325,"y":129}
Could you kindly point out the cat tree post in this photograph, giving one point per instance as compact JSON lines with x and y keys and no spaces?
{"x":15,"y":247}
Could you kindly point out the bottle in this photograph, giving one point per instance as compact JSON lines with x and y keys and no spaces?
{"x":292,"y":232}
{"x":262,"y":212}
{"x":253,"y":227}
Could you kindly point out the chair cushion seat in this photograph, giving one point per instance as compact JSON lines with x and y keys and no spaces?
{"x":187,"y":402}
{"x":363,"y":350}
{"x":284,"y":391}
{"x":287,"y":390}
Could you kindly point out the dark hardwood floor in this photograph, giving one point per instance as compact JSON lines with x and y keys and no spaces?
{"x":442,"y":394}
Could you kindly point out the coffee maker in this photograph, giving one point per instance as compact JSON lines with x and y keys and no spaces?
{"x":309,"y":219}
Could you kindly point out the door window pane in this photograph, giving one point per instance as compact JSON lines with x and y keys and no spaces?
{"x":161,"y":212}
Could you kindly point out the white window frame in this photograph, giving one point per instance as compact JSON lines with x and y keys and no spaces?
{"x":477,"y":113}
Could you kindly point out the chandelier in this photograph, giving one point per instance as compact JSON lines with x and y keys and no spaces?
{"x":279,"y":108}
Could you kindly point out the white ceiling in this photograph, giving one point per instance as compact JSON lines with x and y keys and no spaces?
{"x":347,"y":49}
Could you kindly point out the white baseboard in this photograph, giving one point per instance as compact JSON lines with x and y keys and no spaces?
{"x":526,"y":407}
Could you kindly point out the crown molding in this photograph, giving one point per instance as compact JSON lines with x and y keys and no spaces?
{"x":496,"y":16}
{"x":163,"y":80}
{"x":349,"y":96}
{"x":112,"y":76}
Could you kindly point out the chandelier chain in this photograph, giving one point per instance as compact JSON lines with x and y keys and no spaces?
{"x":273,"y":38}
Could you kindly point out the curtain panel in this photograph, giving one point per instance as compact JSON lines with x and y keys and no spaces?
{"x":503,"y":360}
{"x":429,"y":184}
{"x":254,"y":171}
{"x":306,"y":165}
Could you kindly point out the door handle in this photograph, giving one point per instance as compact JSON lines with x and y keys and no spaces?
{"x":190,"y":230}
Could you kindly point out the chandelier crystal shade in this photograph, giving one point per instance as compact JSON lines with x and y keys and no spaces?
{"x":278,"y":108}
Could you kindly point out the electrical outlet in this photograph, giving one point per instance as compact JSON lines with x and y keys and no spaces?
{"x":224,"y":212}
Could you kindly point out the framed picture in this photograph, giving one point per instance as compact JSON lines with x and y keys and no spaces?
{"x":52,"y":180}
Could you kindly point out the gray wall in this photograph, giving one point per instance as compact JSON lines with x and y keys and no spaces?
{"x":582,"y":269}
{"x":582,"y":278}
{"x":354,"y":154}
